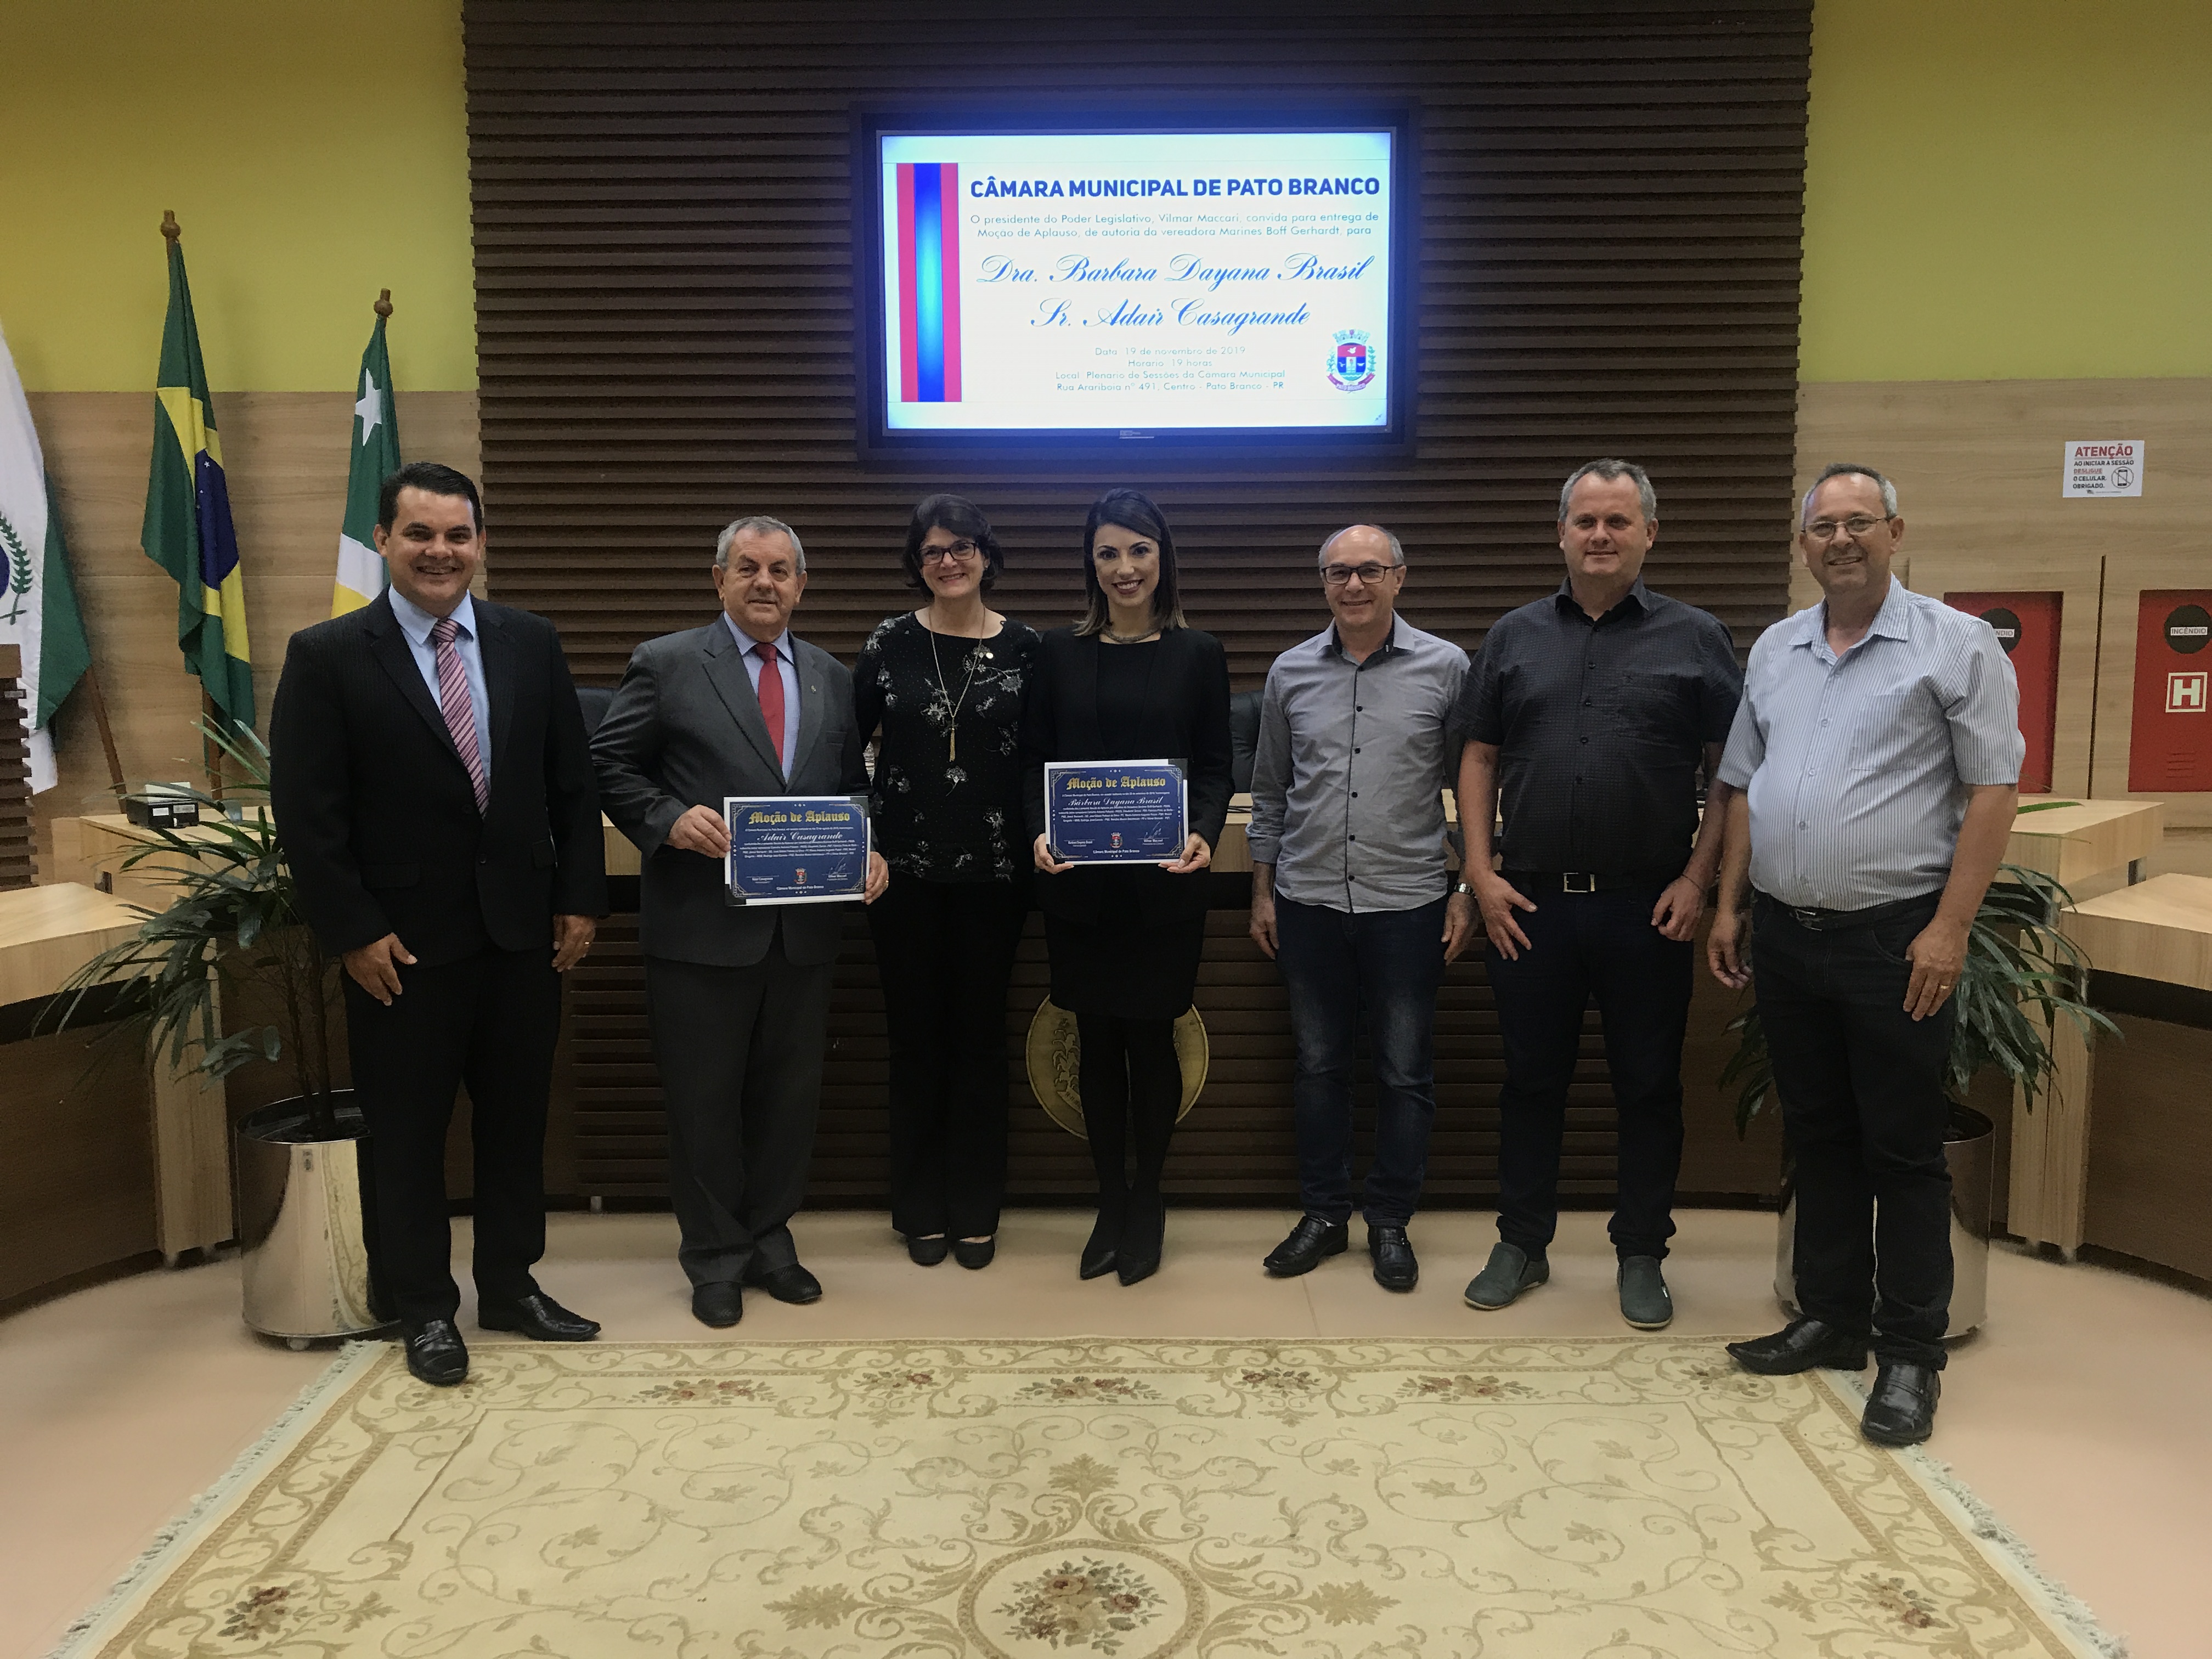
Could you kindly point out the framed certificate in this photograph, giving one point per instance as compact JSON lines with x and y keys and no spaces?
{"x":1113,"y":812}
{"x":796,"y":849}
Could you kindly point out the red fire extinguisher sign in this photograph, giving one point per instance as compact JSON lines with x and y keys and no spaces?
{"x":2170,"y":741}
{"x":2026,"y":626}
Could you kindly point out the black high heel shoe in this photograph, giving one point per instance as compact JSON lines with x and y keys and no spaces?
{"x":1142,"y":1237}
{"x":1103,"y":1249}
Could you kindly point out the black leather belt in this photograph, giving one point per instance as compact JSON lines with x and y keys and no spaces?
{"x":1838,"y":922}
{"x":1578,"y":881}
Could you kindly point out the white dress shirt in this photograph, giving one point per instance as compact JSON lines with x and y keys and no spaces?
{"x":416,"y":623}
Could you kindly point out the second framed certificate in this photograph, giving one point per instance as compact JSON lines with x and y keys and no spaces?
{"x":796,"y":849}
{"x":1113,"y":812}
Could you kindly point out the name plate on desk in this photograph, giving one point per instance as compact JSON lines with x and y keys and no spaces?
{"x":1113,"y":812}
{"x":796,"y":849}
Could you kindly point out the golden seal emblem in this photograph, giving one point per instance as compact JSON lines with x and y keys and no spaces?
{"x":1055,"y":1057}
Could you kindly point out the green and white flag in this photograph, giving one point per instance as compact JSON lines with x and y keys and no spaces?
{"x":38,"y":601}
{"x":375,"y":458}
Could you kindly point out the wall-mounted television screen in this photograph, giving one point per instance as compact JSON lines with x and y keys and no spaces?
{"x":1033,"y":286}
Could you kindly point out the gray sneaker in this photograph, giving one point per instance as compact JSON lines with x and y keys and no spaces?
{"x":1645,"y":1303}
{"x":1510,"y":1271}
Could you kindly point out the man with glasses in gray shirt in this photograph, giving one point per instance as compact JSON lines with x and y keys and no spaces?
{"x":1349,"y":876}
{"x":1878,"y":753}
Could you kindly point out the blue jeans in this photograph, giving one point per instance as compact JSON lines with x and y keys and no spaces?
{"x":1586,"y":947}
{"x":1386,"y":966}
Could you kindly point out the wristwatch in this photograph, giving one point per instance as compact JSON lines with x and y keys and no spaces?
{"x":1463,"y":888}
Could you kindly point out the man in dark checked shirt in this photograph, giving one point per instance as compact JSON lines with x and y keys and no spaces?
{"x":1592,"y":711}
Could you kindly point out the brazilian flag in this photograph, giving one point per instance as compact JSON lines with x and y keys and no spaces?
{"x":187,"y":529}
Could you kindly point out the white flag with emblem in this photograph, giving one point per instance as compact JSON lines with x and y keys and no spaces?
{"x":38,"y":602}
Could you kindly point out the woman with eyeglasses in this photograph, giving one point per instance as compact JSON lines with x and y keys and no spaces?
{"x":945,"y":683}
{"x":1131,"y":681}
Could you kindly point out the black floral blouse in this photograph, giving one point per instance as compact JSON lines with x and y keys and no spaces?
{"x":948,"y":802}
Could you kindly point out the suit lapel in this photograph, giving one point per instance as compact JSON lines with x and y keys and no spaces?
{"x":726,"y":672}
{"x":810,"y":703}
{"x":497,"y":648}
{"x":388,"y":643}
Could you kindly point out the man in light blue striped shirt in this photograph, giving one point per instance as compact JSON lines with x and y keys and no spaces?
{"x":1876,"y":754}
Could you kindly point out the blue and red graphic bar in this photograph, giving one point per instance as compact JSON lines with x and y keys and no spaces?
{"x":929,"y":282}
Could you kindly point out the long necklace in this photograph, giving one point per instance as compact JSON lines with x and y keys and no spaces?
{"x":952,"y":726}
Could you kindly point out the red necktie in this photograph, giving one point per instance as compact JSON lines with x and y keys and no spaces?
{"x":454,"y":703}
{"x":771,"y":698}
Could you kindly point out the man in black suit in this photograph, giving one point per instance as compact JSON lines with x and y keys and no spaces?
{"x":738,"y":996}
{"x":433,"y":789}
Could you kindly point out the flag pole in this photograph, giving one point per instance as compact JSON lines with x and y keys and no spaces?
{"x":210,"y":757}
{"x":90,"y":681}
{"x":383,"y":306}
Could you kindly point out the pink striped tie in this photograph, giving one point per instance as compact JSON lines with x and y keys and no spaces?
{"x":454,"y":699}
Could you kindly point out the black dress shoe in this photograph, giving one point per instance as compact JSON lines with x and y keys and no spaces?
{"x":1901,"y":1410}
{"x":974,"y":1252}
{"x":1799,"y":1346}
{"x":720,"y":1305}
{"x":436,"y":1353}
{"x":1396,"y":1268}
{"x":538,"y":1317}
{"x":1138,"y":1256}
{"x":791,"y":1283}
{"x":1309,"y":1242}
{"x":925,"y":1252}
{"x":1103,"y":1245}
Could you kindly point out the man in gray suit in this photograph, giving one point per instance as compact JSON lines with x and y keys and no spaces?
{"x":739,"y":997}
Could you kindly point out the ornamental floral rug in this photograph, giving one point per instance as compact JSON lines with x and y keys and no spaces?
{"x":1621,"y":1498}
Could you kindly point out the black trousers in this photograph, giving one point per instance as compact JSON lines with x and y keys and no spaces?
{"x":944,"y":951}
{"x":1586,"y":947}
{"x":1864,"y":1108}
{"x":488,"y":1020}
{"x":740,"y":1057}
{"x":1132,"y":1083}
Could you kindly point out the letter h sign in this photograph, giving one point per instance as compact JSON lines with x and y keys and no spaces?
{"x":2170,"y":734}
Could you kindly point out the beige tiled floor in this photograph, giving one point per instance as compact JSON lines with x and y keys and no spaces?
{"x":2078,"y":1416}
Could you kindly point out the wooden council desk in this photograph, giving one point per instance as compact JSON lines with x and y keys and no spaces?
{"x":104,"y":1157}
{"x":2146,"y":1156}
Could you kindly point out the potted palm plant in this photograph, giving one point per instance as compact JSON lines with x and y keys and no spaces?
{"x":232,"y":939}
{"x":2021,"y":976}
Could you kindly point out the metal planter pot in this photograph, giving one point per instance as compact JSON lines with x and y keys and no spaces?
{"x":1970,"y":1149}
{"x":302,"y":1224}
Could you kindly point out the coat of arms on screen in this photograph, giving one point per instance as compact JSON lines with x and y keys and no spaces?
{"x":1353,"y":365}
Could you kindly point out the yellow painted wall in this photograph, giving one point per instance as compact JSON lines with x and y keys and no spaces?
{"x":2010,"y":190}
{"x":2020,"y":189}
{"x":314,"y":151}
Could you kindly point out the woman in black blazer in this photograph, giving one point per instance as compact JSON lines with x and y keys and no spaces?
{"x":1132,"y":681}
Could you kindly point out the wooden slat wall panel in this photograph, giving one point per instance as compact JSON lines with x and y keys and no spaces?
{"x":1236,"y":1144}
{"x":17,"y":846}
{"x":1611,"y":204}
